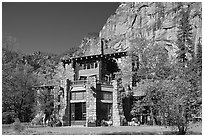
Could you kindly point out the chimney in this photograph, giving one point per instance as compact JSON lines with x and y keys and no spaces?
{"x":102,"y":44}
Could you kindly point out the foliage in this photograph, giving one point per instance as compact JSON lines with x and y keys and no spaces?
{"x":17,"y":80}
{"x":46,"y":101}
{"x":17,"y":126}
{"x":69,"y":53}
{"x":8,"y":117}
{"x":181,"y":100}
{"x":184,"y":34}
{"x":20,"y":73}
{"x":44,"y":65}
{"x":174,"y":93}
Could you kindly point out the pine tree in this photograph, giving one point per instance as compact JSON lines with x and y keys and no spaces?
{"x":184,"y":35}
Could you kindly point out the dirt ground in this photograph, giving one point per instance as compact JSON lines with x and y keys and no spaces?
{"x":196,"y":129}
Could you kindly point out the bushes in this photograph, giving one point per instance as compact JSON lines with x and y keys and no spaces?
{"x":17,"y":126}
{"x":8,"y":117}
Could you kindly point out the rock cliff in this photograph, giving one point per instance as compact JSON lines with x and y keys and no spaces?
{"x":156,"y":21}
{"x":151,"y":20}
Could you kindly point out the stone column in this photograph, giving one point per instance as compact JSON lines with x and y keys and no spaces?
{"x":67,"y":117}
{"x":116,"y":116}
{"x":91,"y":101}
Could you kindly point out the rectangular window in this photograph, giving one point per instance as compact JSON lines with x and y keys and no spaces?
{"x":106,"y":96}
{"x":78,"y":95}
{"x":96,"y":64}
{"x":78,"y":111}
{"x":88,"y":65}
{"x":81,"y":66}
{"x":85,"y":65}
{"x":58,"y":98}
{"x":92,"y":65}
{"x":58,"y":109}
{"x":73,"y":96}
{"x":84,"y":111}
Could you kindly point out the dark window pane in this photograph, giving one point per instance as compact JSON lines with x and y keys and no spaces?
{"x":58,"y":98}
{"x":92,"y":65}
{"x":83,"y":111}
{"x":88,"y":65}
{"x":85,"y":66}
{"x":106,"y":96}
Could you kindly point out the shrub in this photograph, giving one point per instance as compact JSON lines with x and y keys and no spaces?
{"x":17,"y":126}
{"x":8,"y":117}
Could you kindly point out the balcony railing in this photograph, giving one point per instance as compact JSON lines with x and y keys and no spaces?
{"x":104,"y":82}
{"x":83,"y":82}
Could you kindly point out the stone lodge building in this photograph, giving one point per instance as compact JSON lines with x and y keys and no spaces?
{"x":90,"y":93}
{"x":92,"y":96}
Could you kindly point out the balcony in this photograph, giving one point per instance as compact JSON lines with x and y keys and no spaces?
{"x":83,"y":82}
{"x":104,"y":82}
{"x":79,"y":85}
{"x":103,"y":85}
{"x":89,"y":72}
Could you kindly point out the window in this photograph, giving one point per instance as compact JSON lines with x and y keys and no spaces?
{"x":58,"y":108}
{"x":83,"y":78}
{"x":88,"y":65}
{"x":78,"y":111}
{"x":106,"y":96}
{"x":81,"y":66}
{"x":84,"y":66}
{"x":78,"y":95}
{"x":92,"y":65}
{"x":58,"y":98}
{"x":96,"y":65}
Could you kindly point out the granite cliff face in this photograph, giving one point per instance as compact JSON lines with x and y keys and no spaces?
{"x":151,"y":20}
{"x":156,"y":21}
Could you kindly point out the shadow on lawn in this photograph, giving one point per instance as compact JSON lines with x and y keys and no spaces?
{"x":149,"y":133}
{"x":129,"y":133}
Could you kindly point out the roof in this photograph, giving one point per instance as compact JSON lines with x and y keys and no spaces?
{"x":96,"y":57}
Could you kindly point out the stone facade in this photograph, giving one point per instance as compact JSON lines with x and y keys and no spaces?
{"x":91,"y":101}
{"x":116,"y":116}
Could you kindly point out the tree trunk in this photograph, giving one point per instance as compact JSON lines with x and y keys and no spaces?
{"x":152,"y":117}
{"x":181,"y":130}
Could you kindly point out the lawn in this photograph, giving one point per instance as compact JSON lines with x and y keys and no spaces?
{"x":122,"y":130}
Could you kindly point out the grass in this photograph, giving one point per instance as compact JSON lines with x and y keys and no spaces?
{"x":123,"y":130}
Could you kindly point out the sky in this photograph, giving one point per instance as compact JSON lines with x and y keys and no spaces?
{"x":53,"y":27}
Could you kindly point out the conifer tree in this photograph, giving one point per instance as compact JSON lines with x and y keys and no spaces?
{"x":184,"y":35}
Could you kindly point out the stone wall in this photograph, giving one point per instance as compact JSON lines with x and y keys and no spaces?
{"x":90,"y":101}
{"x":62,"y":74}
{"x":116,"y":116}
